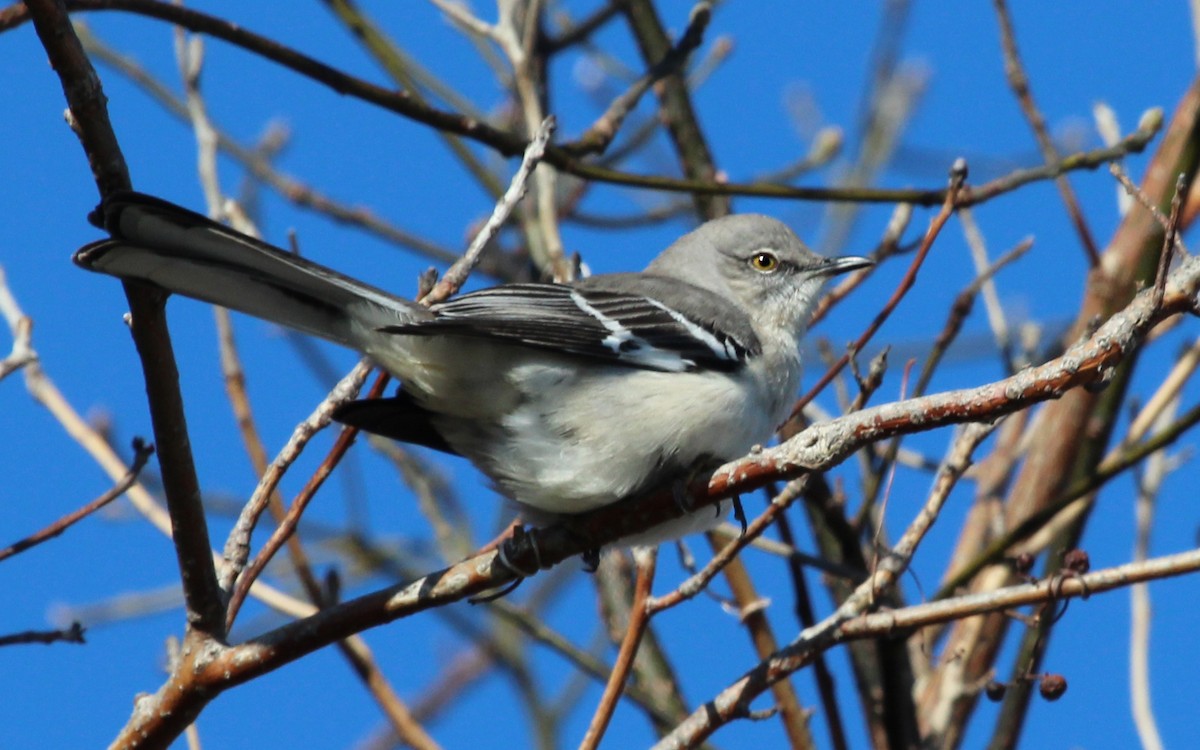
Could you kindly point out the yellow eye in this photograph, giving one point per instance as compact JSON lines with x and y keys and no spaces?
{"x":764,"y":261}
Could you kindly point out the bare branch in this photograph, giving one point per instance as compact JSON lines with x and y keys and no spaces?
{"x":141,"y":454}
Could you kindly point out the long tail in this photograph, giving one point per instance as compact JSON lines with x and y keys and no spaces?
{"x":184,"y":252}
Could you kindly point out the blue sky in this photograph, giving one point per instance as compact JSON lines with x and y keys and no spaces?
{"x":815,"y":57}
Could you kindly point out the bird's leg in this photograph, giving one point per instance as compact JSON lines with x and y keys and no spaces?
{"x":591,"y":559}
{"x":507,"y":550}
{"x":702,"y":466}
{"x":591,"y":554}
{"x":739,"y":512}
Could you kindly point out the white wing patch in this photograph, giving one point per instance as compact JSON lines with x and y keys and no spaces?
{"x":627,"y":345}
{"x":721,"y":349}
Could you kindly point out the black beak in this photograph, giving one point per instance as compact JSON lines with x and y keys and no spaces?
{"x":844,"y":264}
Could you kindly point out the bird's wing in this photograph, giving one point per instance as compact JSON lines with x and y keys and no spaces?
{"x":625,"y":319}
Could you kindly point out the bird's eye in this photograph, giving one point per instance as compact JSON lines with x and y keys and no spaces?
{"x":764,"y":261}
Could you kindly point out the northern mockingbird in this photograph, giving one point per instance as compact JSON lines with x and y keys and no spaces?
{"x":567,"y":396}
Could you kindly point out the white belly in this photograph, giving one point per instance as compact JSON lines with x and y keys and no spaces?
{"x":564,"y":439}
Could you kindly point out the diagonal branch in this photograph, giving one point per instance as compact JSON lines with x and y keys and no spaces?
{"x":89,"y":118}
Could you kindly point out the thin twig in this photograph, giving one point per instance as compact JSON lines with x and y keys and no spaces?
{"x":996,"y":318}
{"x":1140,"y":196}
{"x":697,"y":582}
{"x":21,"y":327}
{"x":457,"y":275}
{"x":462,"y":16}
{"x":799,"y":652}
{"x":141,"y":454}
{"x":237,"y":545}
{"x":510,"y":144}
{"x":961,"y":308}
{"x":639,"y":617}
{"x":1148,"y":485}
{"x":73,"y":634}
{"x":889,"y":245}
{"x":1019,"y":82}
{"x":240,"y":578}
{"x":596,"y":139}
{"x":1168,"y":245}
{"x":958,"y":174}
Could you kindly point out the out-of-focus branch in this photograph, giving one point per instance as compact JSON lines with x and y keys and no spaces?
{"x":639,"y":617}
{"x":408,"y":73}
{"x":21,"y":327}
{"x":1120,"y":460}
{"x":1156,"y":469}
{"x":141,"y":454}
{"x":580,"y":32}
{"x":734,"y":701}
{"x":258,"y":164}
{"x":1068,"y":440}
{"x":958,"y":175}
{"x":601,"y":133}
{"x":1019,"y":82}
{"x":73,"y":634}
{"x":682,"y":122}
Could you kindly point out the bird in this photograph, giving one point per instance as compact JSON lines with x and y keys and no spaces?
{"x":567,"y":397}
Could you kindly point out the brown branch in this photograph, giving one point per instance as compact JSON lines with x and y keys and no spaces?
{"x":596,"y":139}
{"x":1018,"y":81}
{"x":287,"y":526}
{"x":733,"y":702}
{"x":683,"y":124}
{"x":237,"y":544}
{"x":639,"y":619}
{"x":510,"y":144}
{"x":89,"y":118}
{"x":141,"y":454}
{"x":958,"y":174}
